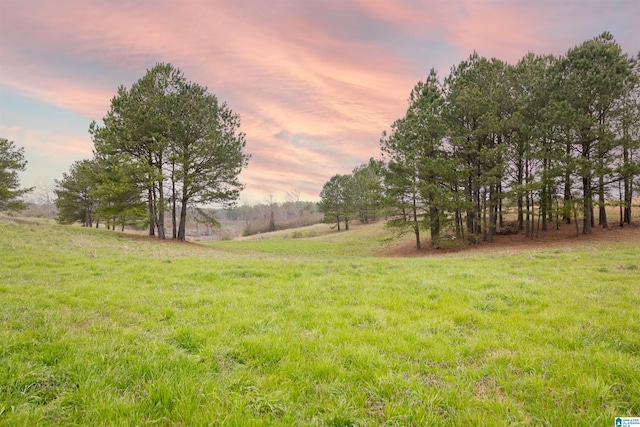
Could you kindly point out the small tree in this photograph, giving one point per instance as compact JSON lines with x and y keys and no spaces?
{"x":11,"y":161}
{"x":338,"y":200}
{"x":329,"y":203}
{"x":120,"y":196}
{"x":401,"y":181}
{"x":43,"y":194}
{"x":76,"y":194}
{"x":367,"y":181}
{"x":418,"y":170}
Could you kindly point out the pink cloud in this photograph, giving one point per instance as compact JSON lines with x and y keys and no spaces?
{"x":329,"y":75}
{"x":54,"y":147}
{"x":507,"y":31}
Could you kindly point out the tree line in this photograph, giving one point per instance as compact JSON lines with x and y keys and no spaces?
{"x":272,"y":215}
{"x":550,"y":137}
{"x":166,"y":144}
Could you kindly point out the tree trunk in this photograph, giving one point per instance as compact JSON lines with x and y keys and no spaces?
{"x":575,"y":218}
{"x":152,"y":214}
{"x":484,"y":214}
{"x":621,"y":202}
{"x":531,"y":225}
{"x":272,"y":221}
{"x":527,"y":227}
{"x":566,"y":207}
{"x":152,"y":199}
{"x":628,"y":200}
{"x":545,"y":190}
{"x":587,"y":206}
{"x":540,"y":215}
{"x":542,"y":212}
{"x":472,"y":217}
{"x":519,"y":194}
{"x":492,"y":213}
{"x":161,"y":202}
{"x":459,"y":224}
{"x":173,"y":201}
{"x":416,"y":225}
{"x":500,"y":217}
{"x":628,"y":186}
{"x":182,"y":228}
{"x":520,"y":213}
{"x":602,"y":212}
{"x":435,"y":227}
{"x":478,"y":215}
{"x":160,"y":218}
{"x":470,"y":226}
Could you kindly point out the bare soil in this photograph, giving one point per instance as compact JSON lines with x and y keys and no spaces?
{"x":550,"y":238}
{"x":154,"y":239}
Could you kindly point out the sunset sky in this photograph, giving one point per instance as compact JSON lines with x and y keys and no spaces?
{"x":314,"y":81}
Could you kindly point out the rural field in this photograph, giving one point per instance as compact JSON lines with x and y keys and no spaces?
{"x":315,"y":328}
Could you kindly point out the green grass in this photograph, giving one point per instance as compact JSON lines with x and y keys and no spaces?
{"x":98,"y":329}
{"x":313,"y":242}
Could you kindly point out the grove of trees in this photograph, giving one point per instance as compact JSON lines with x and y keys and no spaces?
{"x":166,"y":144}
{"x":549,"y":138}
{"x":357,"y":195}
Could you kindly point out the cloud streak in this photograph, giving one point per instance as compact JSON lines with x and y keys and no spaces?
{"x":315,"y":82}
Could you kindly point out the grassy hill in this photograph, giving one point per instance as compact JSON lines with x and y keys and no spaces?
{"x":101,"y":328}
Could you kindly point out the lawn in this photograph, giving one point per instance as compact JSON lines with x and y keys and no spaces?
{"x":97,"y":328}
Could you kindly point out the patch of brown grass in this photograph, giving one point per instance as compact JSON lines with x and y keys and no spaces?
{"x":551,"y":238}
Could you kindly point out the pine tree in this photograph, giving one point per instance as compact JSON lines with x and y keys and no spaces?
{"x":11,"y":162}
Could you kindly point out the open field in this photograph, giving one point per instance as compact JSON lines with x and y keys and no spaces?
{"x":100,"y":328}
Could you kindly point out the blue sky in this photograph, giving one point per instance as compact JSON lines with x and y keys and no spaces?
{"x":314,"y":81}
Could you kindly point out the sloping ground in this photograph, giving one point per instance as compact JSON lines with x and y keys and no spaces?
{"x":315,"y":242}
{"x":292,"y":233}
{"x":565,"y":236}
{"x":97,"y":328}
{"x":375,"y":239}
{"x":322,"y":240}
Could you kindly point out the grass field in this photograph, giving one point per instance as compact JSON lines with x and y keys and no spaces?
{"x":97,"y":328}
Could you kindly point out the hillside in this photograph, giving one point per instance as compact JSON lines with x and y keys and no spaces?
{"x":104,"y":328}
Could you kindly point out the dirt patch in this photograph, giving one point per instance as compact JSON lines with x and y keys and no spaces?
{"x":551,"y":238}
{"x":154,"y":239}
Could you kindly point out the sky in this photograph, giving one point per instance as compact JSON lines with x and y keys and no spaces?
{"x":315,"y":82}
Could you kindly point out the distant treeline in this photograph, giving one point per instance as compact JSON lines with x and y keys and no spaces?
{"x":272,"y":216}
